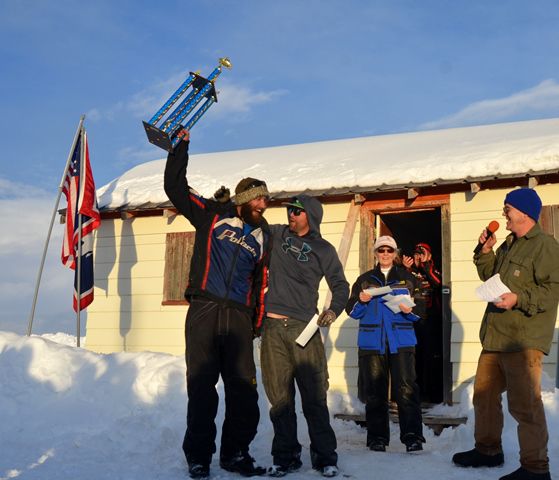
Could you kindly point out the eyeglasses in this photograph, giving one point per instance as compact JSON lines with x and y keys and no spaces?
{"x":385,"y":250}
{"x":295,"y":211}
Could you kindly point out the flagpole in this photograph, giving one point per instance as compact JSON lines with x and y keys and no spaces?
{"x":40,"y":273}
{"x":79,"y":282}
{"x":79,"y":263}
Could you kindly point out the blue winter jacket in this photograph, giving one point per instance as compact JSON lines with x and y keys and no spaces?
{"x":230,"y":257}
{"x":378,"y":325}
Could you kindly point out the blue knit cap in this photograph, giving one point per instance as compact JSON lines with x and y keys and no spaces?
{"x":526,"y":200}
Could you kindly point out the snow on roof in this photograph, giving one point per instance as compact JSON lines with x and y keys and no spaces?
{"x":400,"y":159}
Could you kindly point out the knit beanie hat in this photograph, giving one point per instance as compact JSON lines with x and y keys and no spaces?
{"x":526,"y":200}
{"x":248,"y":189}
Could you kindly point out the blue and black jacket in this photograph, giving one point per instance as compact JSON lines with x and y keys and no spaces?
{"x":230,"y":258}
{"x":379,"y":327}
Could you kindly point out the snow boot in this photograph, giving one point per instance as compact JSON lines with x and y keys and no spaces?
{"x":523,"y":474}
{"x":197,"y":470}
{"x":241,"y":463}
{"x":414,"y":446}
{"x":474,"y":458}
{"x":283,"y":470}
{"x":377,"y":445}
{"x":329,"y":471}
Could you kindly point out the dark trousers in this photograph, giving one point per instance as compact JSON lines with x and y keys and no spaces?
{"x":519,"y":374}
{"x":219,"y":341}
{"x":428,"y":357}
{"x":374,"y":373}
{"x":283,"y":363}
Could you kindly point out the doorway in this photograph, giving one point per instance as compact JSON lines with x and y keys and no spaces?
{"x":410,"y":227}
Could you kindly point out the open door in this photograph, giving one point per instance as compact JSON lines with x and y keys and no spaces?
{"x":408,"y":229}
{"x":427,"y":222}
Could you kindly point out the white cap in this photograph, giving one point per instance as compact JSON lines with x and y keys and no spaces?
{"x":385,"y":241}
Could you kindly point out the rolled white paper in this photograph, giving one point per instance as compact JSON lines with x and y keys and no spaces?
{"x":308,"y":332}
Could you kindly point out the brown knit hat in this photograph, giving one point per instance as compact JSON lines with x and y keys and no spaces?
{"x":248,"y":189}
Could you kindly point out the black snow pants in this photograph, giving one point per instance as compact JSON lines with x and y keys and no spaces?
{"x":219,"y":341}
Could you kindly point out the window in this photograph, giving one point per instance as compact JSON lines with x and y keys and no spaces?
{"x":178,"y":253}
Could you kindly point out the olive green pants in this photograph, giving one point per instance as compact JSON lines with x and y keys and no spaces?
{"x":283,"y":364}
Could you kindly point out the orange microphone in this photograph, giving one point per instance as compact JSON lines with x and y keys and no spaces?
{"x":491,"y":229}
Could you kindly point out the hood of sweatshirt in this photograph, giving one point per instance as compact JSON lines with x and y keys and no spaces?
{"x":313,"y":209}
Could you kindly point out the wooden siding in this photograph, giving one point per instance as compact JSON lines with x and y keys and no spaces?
{"x":127,"y":314}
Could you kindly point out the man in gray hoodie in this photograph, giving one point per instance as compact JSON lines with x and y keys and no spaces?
{"x":300,"y":259}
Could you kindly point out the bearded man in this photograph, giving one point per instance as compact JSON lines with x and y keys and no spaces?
{"x":226,"y":286}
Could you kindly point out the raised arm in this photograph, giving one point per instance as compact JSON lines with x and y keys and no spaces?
{"x":187,"y":202}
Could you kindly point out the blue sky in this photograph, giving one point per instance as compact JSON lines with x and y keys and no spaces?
{"x":303,"y":71}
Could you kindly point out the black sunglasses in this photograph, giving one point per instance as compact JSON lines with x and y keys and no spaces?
{"x":296,"y":211}
{"x":385,"y":250}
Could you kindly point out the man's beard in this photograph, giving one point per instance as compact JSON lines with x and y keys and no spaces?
{"x":250,"y":215}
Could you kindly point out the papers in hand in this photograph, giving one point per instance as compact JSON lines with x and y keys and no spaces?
{"x":492,"y":289}
{"x":308,"y":332}
{"x":376,"y":291}
{"x":393,"y":302}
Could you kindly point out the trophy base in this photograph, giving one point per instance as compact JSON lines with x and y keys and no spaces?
{"x":158,"y":137}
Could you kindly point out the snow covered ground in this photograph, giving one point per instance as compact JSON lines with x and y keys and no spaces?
{"x":67,"y":413}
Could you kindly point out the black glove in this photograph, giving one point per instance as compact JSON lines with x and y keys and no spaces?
{"x":326,"y":318}
{"x":223,"y":195}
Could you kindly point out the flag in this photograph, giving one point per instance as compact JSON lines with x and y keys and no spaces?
{"x":79,"y":189}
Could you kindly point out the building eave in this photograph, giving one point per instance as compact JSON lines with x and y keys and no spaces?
{"x":464,"y":184}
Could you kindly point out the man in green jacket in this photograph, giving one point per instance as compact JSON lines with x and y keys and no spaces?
{"x":516,"y":332}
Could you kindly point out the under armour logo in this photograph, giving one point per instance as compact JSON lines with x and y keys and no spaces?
{"x":302,"y":256}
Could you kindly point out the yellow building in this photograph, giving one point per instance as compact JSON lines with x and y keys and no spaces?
{"x":442,"y":187}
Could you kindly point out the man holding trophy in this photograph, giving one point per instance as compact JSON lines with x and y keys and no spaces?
{"x":226,"y":285}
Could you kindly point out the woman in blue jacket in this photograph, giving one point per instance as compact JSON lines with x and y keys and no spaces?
{"x":387,"y":349}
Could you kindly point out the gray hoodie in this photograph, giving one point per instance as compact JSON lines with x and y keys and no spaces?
{"x":297,"y":266}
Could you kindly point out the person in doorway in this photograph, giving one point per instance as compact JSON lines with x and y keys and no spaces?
{"x":226,"y":285}
{"x":386,"y":343}
{"x":516,"y":331}
{"x":301,"y":258}
{"x":428,"y":328}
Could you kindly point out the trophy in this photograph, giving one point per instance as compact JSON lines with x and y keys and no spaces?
{"x":164,"y":135}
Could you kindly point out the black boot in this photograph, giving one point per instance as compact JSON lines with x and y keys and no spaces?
{"x":376,"y":444}
{"x":197,"y":470}
{"x":241,"y":463}
{"x":474,"y":458}
{"x":414,"y":446}
{"x":413,"y":442}
{"x":281,"y":470}
{"x":523,"y":474}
